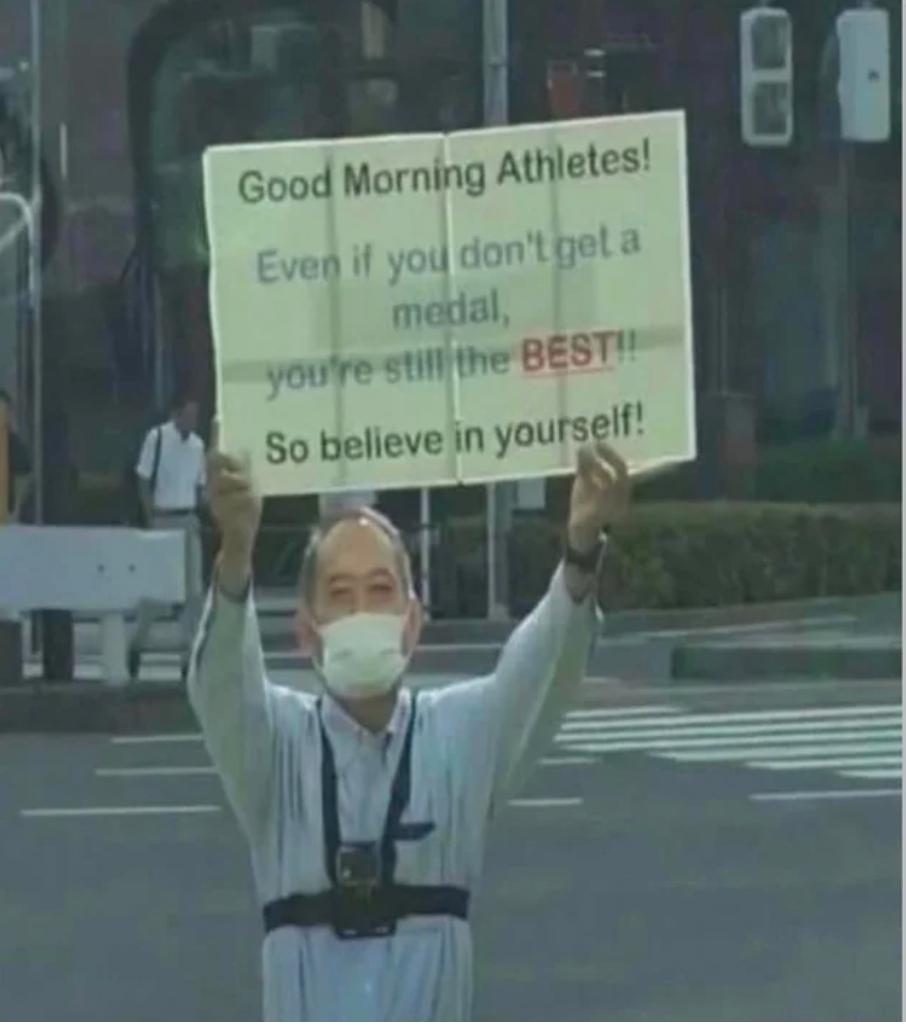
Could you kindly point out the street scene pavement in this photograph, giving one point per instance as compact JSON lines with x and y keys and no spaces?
{"x":637,"y":647}
{"x":687,"y":853}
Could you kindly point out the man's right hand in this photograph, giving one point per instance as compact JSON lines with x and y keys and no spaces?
{"x":236,"y":507}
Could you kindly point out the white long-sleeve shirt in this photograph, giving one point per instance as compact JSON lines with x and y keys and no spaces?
{"x":473,"y":742}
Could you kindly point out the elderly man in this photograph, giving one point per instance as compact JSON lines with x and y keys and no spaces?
{"x":366,"y":807}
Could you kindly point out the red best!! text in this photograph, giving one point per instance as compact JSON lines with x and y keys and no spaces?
{"x":573,"y":352}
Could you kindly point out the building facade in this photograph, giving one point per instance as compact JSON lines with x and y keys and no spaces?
{"x":130,"y":93}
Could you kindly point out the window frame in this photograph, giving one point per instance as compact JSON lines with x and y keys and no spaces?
{"x":177,"y":20}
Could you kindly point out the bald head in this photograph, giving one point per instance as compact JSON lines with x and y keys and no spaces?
{"x":355,"y":561}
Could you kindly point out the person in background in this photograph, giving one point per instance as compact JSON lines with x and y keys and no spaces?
{"x":366,"y":807}
{"x":171,"y":484}
{"x":20,"y":465}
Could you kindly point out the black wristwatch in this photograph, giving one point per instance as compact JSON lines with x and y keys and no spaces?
{"x":587,"y":562}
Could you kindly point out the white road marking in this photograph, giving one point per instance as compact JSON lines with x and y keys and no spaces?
{"x":871,"y":725}
{"x":533,"y":804}
{"x":152,"y":772}
{"x":153,"y":739}
{"x":774,"y":753}
{"x":611,"y":713}
{"x":750,"y":716}
{"x":120,"y":811}
{"x":817,"y":764}
{"x":567,"y":761}
{"x":849,"y":741}
{"x":891,"y":738}
{"x":879,"y":773}
{"x":794,"y":797}
{"x":680,"y":690}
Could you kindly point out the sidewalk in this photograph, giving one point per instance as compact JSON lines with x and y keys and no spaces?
{"x":277,"y":607}
{"x":840,"y":639}
{"x":854,"y":653}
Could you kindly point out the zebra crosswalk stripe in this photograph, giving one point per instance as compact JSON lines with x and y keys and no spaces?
{"x":872,"y":725}
{"x":878,"y":772}
{"x":851,"y":741}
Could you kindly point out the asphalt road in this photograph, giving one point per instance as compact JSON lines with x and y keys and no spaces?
{"x":662,"y":866}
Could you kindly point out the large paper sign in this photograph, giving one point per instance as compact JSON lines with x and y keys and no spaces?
{"x":421,"y":310}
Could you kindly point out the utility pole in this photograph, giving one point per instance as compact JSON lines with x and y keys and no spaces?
{"x":499,"y":512}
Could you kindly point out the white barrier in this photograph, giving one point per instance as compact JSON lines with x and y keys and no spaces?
{"x":104,"y":571}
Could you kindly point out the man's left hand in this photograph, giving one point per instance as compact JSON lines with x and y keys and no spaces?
{"x":600,"y":495}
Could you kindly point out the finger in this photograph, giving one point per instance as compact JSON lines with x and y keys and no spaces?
{"x":220,"y":462}
{"x":594,"y":469}
{"x":229,"y":486}
{"x":613,"y":459}
{"x":586,"y":462}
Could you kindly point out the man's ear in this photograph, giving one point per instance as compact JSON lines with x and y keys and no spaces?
{"x":413,"y":629}
{"x":306,"y":632}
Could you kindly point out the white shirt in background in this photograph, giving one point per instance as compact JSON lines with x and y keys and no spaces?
{"x":181,"y":471}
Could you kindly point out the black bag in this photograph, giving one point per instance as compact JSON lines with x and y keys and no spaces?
{"x":134,"y":514}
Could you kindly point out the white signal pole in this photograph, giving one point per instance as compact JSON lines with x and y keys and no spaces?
{"x":495,"y":32}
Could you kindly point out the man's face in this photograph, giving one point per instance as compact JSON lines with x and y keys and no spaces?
{"x":358,"y":572}
{"x":187,"y":417}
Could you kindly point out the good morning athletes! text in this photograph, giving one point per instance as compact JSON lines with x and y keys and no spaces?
{"x":516,"y":168}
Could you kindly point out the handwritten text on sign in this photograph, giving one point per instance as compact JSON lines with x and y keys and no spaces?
{"x":406,"y":311}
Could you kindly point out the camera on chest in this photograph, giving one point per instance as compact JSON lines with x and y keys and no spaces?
{"x":361,"y":901}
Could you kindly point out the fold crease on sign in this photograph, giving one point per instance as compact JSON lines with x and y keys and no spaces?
{"x":558,"y":322}
{"x":451,"y":344}
{"x":337,"y":335}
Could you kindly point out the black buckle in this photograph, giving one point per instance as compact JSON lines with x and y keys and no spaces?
{"x":360,"y":902}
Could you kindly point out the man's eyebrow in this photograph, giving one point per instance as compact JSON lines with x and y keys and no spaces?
{"x":381,"y":571}
{"x":338,"y":578}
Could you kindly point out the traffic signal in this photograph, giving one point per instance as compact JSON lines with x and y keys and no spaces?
{"x":863,"y":38}
{"x":766,"y":76}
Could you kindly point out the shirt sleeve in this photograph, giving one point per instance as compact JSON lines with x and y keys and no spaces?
{"x":515,"y":713}
{"x":235,"y":703}
{"x":145,"y":465}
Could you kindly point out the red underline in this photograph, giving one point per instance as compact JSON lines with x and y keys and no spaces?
{"x":568,"y":372}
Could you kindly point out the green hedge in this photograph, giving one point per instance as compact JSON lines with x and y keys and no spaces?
{"x":668,"y":555}
{"x":816,"y":472}
{"x":689,"y":555}
{"x":832,"y":472}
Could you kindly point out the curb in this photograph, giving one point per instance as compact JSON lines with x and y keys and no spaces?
{"x":275,"y":618}
{"x":641,"y":621}
{"x":87,"y":709}
{"x":736,"y":665}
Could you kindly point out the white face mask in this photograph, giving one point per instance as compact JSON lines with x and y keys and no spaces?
{"x":363,"y":654}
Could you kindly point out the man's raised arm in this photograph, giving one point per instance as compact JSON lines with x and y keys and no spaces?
{"x":228,"y":686}
{"x":519,"y":707}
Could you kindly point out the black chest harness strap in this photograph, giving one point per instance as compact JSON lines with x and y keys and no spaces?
{"x":364,"y":899}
